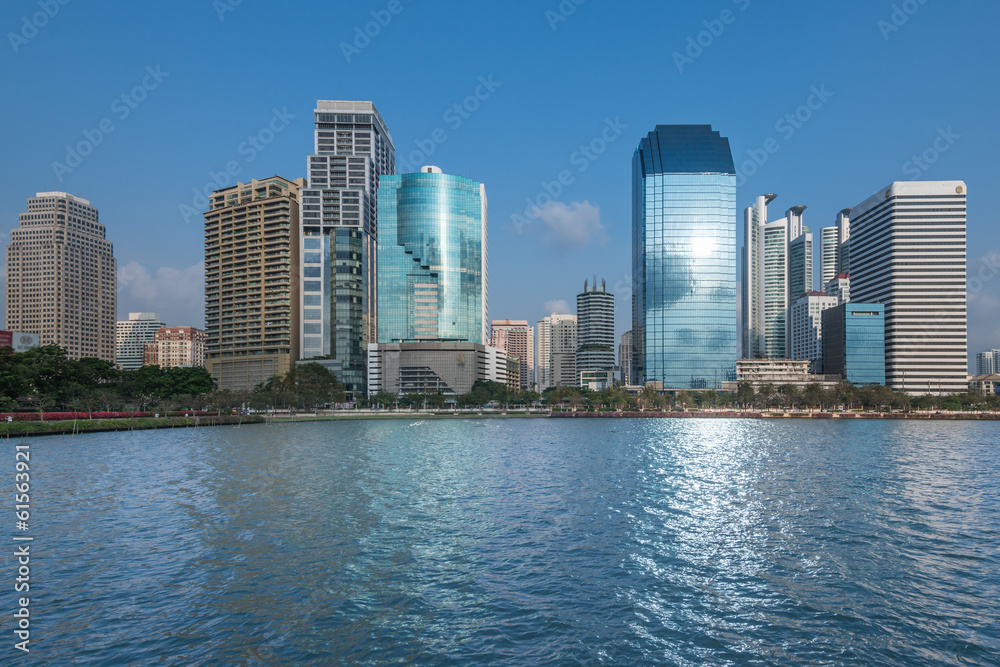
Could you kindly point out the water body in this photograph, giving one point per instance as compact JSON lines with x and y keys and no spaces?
{"x":518,"y":542}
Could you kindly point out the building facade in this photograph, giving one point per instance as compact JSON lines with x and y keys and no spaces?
{"x":827,"y":254}
{"x":908,"y":253}
{"x":625,"y":357}
{"x":251,"y":282}
{"x":176,"y":347}
{"x":595,"y":328}
{"x":854,"y":342}
{"x":432,"y":272}
{"x":430,"y":367}
{"x":776,"y":372}
{"x":684,"y":324}
{"x":352,"y":151}
{"x":807,"y":328}
{"x":988,"y":363}
{"x":517,"y":339}
{"x":839,"y":287}
{"x":62,"y":277}
{"x":131,"y":337}
{"x":556,"y":354}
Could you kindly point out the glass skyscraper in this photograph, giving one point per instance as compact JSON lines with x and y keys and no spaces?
{"x":684,"y":324}
{"x":854,"y":342}
{"x":431,"y":258}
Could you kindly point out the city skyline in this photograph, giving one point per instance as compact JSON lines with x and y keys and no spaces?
{"x":831,"y":154}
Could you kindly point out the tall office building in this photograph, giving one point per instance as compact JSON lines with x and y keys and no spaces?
{"x":595,"y":328}
{"x":517,"y":339}
{"x":556,"y":355}
{"x":854,"y":342}
{"x":352,"y":151}
{"x":684,"y":324}
{"x":908,"y":253}
{"x":828,"y":255}
{"x":432,"y":258}
{"x":807,"y":328}
{"x":843,"y":226}
{"x":625,"y":357}
{"x":777,"y":271}
{"x":131,"y":337}
{"x":988,"y":363}
{"x":62,"y":277}
{"x":251,"y":281}
{"x":176,"y":347}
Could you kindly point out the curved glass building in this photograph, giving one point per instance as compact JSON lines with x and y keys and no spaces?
{"x":684,"y":324}
{"x":431,"y":258}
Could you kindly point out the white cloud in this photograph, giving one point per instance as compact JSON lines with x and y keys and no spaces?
{"x":558,"y":306}
{"x":570,"y":227}
{"x":178,"y":295}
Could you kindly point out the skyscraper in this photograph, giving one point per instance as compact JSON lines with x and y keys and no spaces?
{"x":908,"y":253}
{"x":62,"y":277}
{"x":352,"y":151}
{"x":595,"y":328}
{"x":988,"y":363}
{"x":684,"y":324}
{"x":556,"y":356}
{"x":777,"y":271}
{"x":432,"y":258}
{"x":854,"y":342}
{"x":625,"y":357}
{"x":251,"y":281}
{"x":828,"y":255}
{"x":517,"y":339}
{"x":131,"y":336}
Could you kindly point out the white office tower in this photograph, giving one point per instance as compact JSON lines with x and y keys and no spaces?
{"x":828,"y":255}
{"x":844,"y":241}
{"x":908,"y":252}
{"x":839,"y":287}
{"x":338,"y":215}
{"x":807,"y":328}
{"x":555,"y":358}
{"x":131,"y":336}
{"x":777,"y":269}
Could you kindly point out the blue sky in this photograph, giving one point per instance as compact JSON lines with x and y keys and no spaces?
{"x":536,"y":84}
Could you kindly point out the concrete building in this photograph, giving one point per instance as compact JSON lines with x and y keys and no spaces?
{"x":988,"y":363}
{"x":131,"y":337}
{"x":251,"y":282}
{"x":988,"y":385}
{"x":684,"y":257}
{"x":62,"y":277}
{"x":839,"y":287}
{"x":828,"y":254}
{"x":625,"y":357}
{"x":174,"y":347}
{"x":556,"y":354}
{"x":595,"y":328}
{"x":339,"y":269}
{"x":428,"y":367}
{"x":758,"y":372}
{"x":854,"y":342}
{"x":908,"y":253}
{"x":517,"y":339}
{"x":807,"y":328}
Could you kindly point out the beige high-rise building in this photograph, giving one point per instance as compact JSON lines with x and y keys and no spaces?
{"x":176,"y":346}
{"x":62,"y":277}
{"x":252,"y":281}
{"x":556,"y":356}
{"x":517,"y":339}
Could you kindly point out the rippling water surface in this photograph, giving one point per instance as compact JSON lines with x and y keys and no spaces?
{"x":520,"y":542}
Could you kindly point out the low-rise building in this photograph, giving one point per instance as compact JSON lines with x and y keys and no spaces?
{"x":758,"y":372}
{"x":988,"y":385}
{"x":427,"y":367}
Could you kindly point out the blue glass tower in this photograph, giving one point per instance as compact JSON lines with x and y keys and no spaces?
{"x":431,"y":258}
{"x":684,"y":258}
{"x":854,"y":342}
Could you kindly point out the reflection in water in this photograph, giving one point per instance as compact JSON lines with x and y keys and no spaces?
{"x":523,"y":542}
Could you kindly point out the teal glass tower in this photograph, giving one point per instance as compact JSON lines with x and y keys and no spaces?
{"x":432,"y":258}
{"x":684,"y":258}
{"x":854,"y":342}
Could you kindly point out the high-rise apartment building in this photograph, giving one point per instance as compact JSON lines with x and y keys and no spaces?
{"x":908,"y":253}
{"x":625,"y":357}
{"x":684,"y":324}
{"x":432,"y":270}
{"x":839,"y":287}
{"x":517,"y":339}
{"x":352,"y":151}
{"x":807,"y":328}
{"x":828,"y":255}
{"x":131,"y":336}
{"x":251,"y":281}
{"x":62,"y":277}
{"x":176,"y":347}
{"x":595,"y":328}
{"x":843,"y":226}
{"x":777,"y":271}
{"x":556,"y":355}
{"x":854,"y":342}
{"x":988,"y":363}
